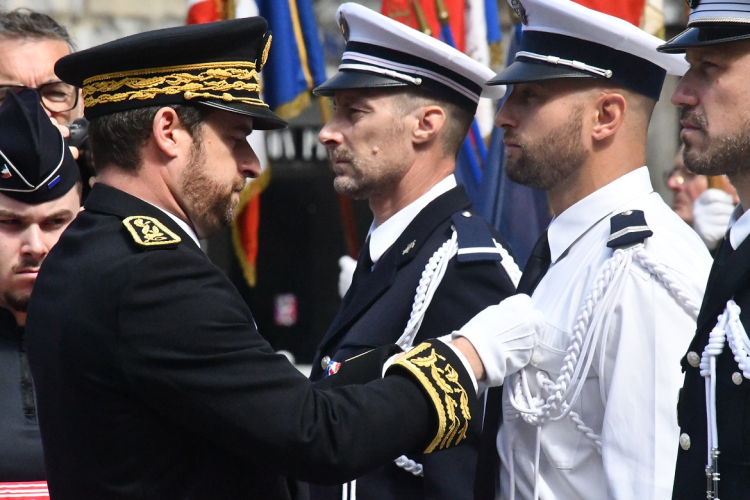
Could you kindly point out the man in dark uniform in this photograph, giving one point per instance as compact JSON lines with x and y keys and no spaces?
{"x":152,"y":380}
{"x":404,"y":103}
{"x":713,"y":460}
{"x":39,"y":197}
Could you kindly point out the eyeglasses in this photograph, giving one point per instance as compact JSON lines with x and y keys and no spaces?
{"x":680,"y":176}
{"x":57,"y":97}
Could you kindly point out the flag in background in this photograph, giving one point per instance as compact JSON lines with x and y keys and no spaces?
{"x":295,"y":67}
{"x":416,"y":13}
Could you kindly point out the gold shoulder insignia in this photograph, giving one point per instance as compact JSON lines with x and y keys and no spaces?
{"x":148,"y":231}
{"x":440,"y":380}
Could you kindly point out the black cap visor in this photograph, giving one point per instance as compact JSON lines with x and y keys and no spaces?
{"x":346,"y":79}
{"x":701,"y":36}
{"x":530,"y":71}
{"x":263,"y":118}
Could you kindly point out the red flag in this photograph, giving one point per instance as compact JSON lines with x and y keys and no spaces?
{"x":205,"y":11}
{"x":36,"y":490}
{"x":406,"y":12}
{"x":629,"y":10}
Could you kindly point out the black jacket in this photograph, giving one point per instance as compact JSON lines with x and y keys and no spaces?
{"x":378,"y":311}
{"x":153,"y":382}
{"x":21,"y":457}
{"x":729,"y":279}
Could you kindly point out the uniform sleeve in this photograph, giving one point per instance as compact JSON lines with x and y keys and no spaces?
{"x":641,"y":377}
{"x":467,"y":288}
{"x":188,"y":348}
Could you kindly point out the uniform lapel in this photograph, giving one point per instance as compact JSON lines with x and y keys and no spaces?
{"x":399,"y":254}
{"x":727,"y":276}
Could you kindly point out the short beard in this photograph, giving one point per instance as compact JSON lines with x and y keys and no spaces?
{"x":545,"y":163}
{"x":211,"y":206}
{"x":17,"y":301}
{"x":369,"y":175}
{"x":725,"y":155}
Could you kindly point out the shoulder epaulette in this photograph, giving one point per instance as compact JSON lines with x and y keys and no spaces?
{"x":475,"y":241}
{"x":628,"y":228}
{"x":149,"y":232}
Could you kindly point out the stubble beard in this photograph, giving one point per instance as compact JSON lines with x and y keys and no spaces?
{"x":369,"y":176}
{"x":725,"y":155}
{"x":17,"y":301}
{"x":210,"y":202}
{"x":546,"y":163}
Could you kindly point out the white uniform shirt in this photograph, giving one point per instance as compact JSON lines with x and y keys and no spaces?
{"x":640,"y":375}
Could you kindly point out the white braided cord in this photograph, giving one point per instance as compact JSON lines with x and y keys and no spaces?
{"x":432,"y":275}
{"x":592,"y":321}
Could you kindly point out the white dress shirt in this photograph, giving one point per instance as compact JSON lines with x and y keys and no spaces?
{"x":629,"y":397}
{"x":184,"y":225}
{"x":386,"y":234}
{"x":739,"y":226}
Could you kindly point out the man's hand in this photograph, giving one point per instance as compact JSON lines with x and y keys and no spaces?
{"x":711,"y":213}
{"x":65,"y":131}
{"x":499,"y":340}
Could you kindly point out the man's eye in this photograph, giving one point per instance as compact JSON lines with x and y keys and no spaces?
{"x":10,"y":223}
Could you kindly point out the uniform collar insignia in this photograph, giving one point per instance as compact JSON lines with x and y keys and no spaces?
{"x":409,"y":247}
{"x":148,"y":231}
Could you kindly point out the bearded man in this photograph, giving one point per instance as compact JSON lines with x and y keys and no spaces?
{"x":404,"y":103}
{"x":152,"y":379}
{"x":713,"y":96}
{"x":617,"y":274}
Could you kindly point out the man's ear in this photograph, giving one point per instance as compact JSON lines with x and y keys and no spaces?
{"x":430,"y":121}
{"x":610,"y":113}
{"x":168,"y":133}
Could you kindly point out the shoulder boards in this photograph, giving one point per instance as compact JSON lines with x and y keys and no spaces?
{"x":440,"y":373}
{"x":628,"y":228}
{"x":475,"y":241}
{"x":149,"y":232}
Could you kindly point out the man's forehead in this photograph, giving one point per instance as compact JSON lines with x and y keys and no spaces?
{"x":16,"y":61}
{"x":722,"y":51}
{"x":68,"y":202}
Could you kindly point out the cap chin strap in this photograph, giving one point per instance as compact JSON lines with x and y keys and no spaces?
{"x":606,"y":73}
{"x":382,"y":71}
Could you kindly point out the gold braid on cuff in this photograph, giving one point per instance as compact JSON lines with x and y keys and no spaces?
{"x":440,"y":380}
{"x":210,"y":80}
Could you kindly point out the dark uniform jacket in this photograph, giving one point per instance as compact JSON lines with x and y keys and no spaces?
{"x":21,"y":457}
{"x":153,"y":383}
{"x":729,"y":279}
{"x":377,"y":312}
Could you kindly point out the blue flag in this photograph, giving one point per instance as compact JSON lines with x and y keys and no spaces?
{"x":520,"y":213}
{"x":295,"y":65}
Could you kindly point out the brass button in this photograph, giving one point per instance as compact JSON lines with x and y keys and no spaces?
{"x":693,"y":359}
{"x":536,"y":358}
{"x":324,"y":362}
{"x":684,"y":441}
{"x":737,"y":378}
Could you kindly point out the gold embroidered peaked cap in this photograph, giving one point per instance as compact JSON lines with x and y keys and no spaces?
{"x":213,"y":64}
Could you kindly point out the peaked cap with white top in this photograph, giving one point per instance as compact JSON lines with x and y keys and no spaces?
{"x":383,"y":53}
{"x":563,"y":39}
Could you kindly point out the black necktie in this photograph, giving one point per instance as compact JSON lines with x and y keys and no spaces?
{"x":488,"y":464}
{"x":536,"y":267}
{"x":361,"y":272}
